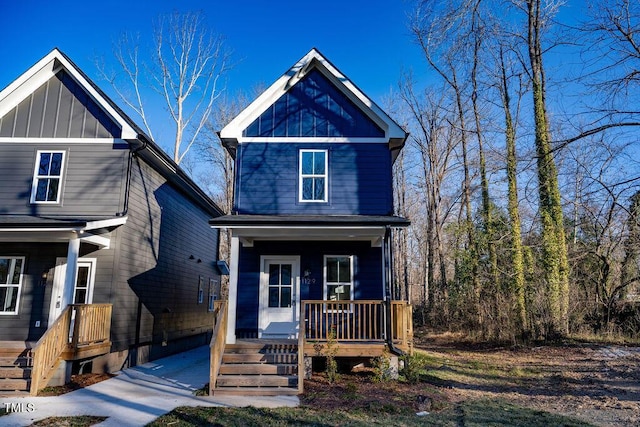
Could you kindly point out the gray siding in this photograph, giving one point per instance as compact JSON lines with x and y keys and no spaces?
{"x":155,"y":295}
{"x":94,"y":179}
{"x":59,"y":108}
{"x":34,"y":296}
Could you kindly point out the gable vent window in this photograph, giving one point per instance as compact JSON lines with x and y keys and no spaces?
{"x":313,"y":176}
{"x":47,"y":177}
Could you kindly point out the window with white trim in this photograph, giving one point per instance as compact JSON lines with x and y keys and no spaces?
{"x":10,"y":283}
{"x":314,"y":177}
{"x":47,"y":177}
{"x":338,"y":277}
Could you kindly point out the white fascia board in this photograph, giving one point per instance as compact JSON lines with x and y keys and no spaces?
{"x":45,"y":69}
{"x":305,"y":139}
{"x":61,"y":141}
{"x":26,"y":83}
{"x":313,"y":59}
{"x":105,"y":223}
{"x":89,"y":226}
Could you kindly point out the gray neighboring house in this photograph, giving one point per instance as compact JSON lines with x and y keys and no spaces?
{"x":94,"y":214}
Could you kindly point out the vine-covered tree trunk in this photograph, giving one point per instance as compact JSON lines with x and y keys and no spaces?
{"x":554,"y":249}
{"x":517,"y":258}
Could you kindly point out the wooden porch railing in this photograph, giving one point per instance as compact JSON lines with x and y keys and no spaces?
{"x":218,"y":341}
{"x":79,"y":325}
{"x":402,"y":324}
{"x":356,"y":321}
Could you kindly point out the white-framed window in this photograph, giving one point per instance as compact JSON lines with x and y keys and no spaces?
{"x":338,"y":277}
{"x":47,"y":177}
{"x":11,"y":269}
{"x":200,"y":289}
{"x":212,"y":294}
{"x":314,"y":177}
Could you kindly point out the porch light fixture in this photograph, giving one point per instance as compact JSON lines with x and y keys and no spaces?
{"x":44,"y":277}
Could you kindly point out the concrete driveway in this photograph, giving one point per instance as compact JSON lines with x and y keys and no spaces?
{"x":136,"y":396}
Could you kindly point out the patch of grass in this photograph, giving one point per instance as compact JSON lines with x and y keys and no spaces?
{"x":490,"y":412}
{"x":76,"y":421}
{"x":202,"y":391}
{"x":471,"y":413}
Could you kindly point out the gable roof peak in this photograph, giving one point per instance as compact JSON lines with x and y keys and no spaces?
{"x":231,"y":134}
{"x":48,"y":67}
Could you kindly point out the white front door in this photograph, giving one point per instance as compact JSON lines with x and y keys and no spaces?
{"x":279,"y":297}
{"x":83,"y":287}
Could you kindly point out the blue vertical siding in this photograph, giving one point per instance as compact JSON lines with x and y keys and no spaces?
{"x":313,"y":108}
{"x":360,"y":180}
{"x":367,"y":273}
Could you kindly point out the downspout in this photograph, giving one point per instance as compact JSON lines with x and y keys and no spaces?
{"x":132,"y":153}
{"x":388,"y":275}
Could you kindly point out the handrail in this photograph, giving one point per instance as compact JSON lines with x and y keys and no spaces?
{"x":47,"y":351}
{"x":77,"y":326}
{"x":402,"y":324}
{"x":218,"y":341}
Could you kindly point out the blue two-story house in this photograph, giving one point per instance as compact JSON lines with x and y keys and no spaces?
{"x":312,"y":221}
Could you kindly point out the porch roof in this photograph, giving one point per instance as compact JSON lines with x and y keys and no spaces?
{"x":308,"y":221}
{"x":33,"y":228}
{"x":249,"y":228}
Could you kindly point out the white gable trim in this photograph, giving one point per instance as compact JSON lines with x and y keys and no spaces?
{"x":313,"y":59}
{"x":44,"y":70}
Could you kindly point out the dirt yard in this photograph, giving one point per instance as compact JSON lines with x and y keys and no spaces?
{"x":464,"y":383}
{"x":597,"y":384}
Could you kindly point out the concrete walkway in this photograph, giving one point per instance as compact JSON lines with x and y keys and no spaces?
{"x":137,"y":395}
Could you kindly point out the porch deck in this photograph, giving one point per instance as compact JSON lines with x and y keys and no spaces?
{"x":353,"y":329}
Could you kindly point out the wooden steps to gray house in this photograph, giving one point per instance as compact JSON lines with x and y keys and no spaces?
{"x":264,"y":368}
{"x":15,"y":368}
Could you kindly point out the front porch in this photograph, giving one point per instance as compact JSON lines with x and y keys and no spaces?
{"x":353,"y":329}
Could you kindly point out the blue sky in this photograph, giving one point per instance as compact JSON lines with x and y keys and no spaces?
{"x":367,"y":40}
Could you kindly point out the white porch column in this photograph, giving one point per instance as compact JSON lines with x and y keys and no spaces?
{"x":233,"y":290}
{"x":72,"y":269}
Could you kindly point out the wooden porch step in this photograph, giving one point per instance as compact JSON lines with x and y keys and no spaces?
{"x":11,"y":384}
{"x":15,"y":372}
{"x":257,"y":348}
{"x":15,"y":368}
{"x":13,"y":361}
{"x":286,"y":358}
{"x":257,"y":391}
{"x":258,"y":369}
{"x":257,"y":381}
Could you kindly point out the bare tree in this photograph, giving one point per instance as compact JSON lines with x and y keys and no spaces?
{"x":185,"y":69}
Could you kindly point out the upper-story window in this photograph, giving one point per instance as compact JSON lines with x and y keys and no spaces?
{"x":47,"y":177}
{"x":314,"y":178}
{"x":10,"y":282}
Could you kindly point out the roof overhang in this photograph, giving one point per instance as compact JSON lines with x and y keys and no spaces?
{"x":249,"y":228}
{"x":58,"y":230}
